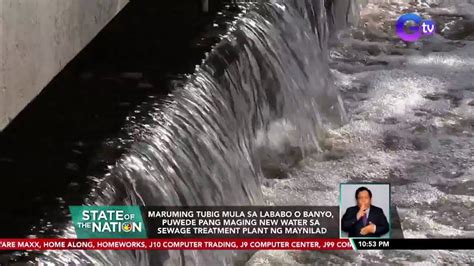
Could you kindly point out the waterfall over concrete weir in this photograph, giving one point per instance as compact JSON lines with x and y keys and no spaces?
{"x":267,"y":79}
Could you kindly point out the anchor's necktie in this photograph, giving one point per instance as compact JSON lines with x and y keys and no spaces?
{"x":365,"y":219}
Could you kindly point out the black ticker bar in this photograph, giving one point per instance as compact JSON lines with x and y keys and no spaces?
{"x":414,"y":244}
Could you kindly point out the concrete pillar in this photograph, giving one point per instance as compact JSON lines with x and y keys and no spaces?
{"x":38,"y":38}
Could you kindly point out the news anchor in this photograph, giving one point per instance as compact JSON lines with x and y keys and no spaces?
{"x":365,"y":219}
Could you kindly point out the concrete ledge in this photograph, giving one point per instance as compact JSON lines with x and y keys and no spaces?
{"x":38,"y":38}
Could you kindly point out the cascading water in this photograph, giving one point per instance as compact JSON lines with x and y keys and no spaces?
{"x":204,"y":146}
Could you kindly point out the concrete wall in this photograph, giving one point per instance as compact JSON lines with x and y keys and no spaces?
{"x":38,"y":38}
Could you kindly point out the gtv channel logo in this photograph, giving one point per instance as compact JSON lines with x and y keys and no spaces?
{"x":416,"y":29}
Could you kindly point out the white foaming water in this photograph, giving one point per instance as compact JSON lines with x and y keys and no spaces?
{"x":411,"y":121}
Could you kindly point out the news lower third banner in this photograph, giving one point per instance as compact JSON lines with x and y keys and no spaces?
{"x":216,"y":228}
{"x":176,"y":244}
{"x":202,"y":222}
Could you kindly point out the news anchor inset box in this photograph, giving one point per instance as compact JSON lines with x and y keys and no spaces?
{"x":364,"y":210}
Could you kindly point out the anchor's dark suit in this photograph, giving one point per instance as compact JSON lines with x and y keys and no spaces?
{"x":352,"y":226}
